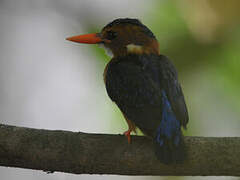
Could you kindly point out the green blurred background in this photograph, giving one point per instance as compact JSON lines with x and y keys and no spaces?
{"x":202,"y":38}
{"x":47,"y":82}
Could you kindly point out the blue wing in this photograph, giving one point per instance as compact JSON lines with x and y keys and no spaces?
{"x":173,"y":90}
{"x":168,"y":139}
{"x":169,"y":127}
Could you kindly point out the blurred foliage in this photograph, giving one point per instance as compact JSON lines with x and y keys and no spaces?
{"x":197,"y":36}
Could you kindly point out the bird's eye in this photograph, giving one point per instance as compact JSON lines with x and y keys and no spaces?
{"x":111,"y":35}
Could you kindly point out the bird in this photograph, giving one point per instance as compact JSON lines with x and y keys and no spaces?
{"x":144,"y":85}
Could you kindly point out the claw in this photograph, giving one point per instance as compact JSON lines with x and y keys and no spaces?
{"x":128,"y":135}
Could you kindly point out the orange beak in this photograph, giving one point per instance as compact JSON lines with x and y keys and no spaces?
{"x":93,"y":38}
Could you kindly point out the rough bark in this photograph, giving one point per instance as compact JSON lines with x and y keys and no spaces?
{"x":81,"y":153}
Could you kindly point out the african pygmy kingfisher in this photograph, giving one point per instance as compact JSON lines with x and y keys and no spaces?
{"x":144,"y":85}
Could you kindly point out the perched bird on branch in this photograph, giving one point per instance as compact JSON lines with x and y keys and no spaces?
{"x":144,"y":85}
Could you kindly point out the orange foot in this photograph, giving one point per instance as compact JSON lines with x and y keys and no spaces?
{"x":128,"y":135}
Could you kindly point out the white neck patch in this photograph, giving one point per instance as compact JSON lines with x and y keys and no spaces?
{"x":133,"y":48}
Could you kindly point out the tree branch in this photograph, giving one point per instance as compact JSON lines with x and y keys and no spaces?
{"x":82,"y":153}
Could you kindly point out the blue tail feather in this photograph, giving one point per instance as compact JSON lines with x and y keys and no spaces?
{"x":169,"y":144}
